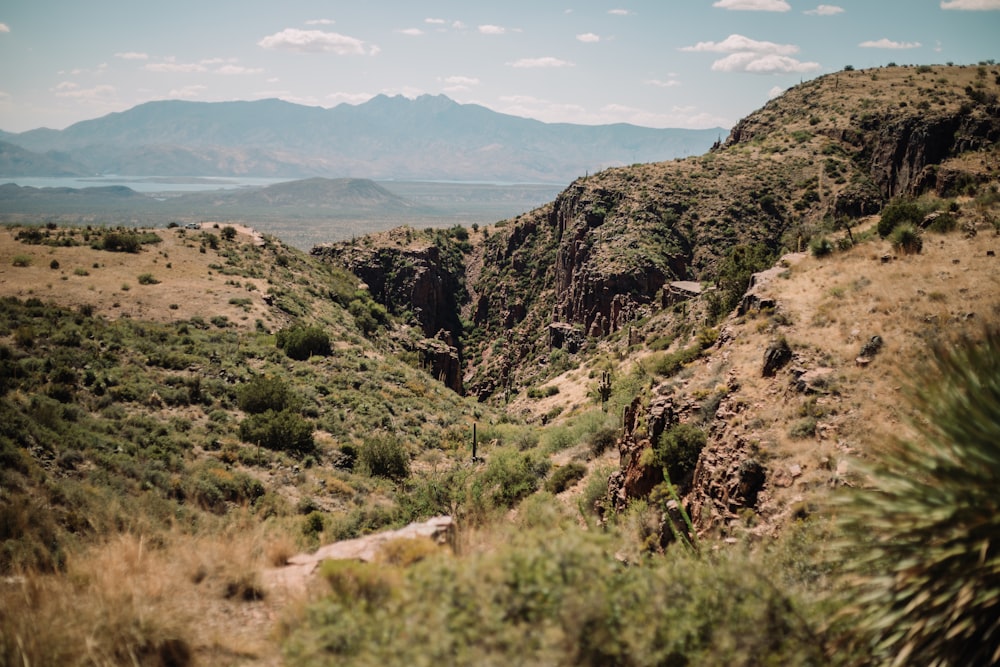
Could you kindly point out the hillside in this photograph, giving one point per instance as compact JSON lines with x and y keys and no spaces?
{"x":678,"y":374}
{"x":431,"y":137}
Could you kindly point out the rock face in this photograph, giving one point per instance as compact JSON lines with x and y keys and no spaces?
{"x":422,"y":277}
{"x":413,"y":277}
{"x":905,"y":149}
{"x":441,"y":360}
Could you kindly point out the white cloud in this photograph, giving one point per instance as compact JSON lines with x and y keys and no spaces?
{"x":492,"y":29}
{"x":237,"y":69}
{"x":435,"y":21}
{"x":458,"y":25}
{"x":71,"y":90}
{"x":886,"y":43}
{"x":739,"y":43}
{"x":972,"y":5}
{"x":751,"y":55}
{"x":669,"y":83}
{"x":132,"y":55}
{"x":412,"y":32}
{"x":186,"y":92}
{"x":554,"y":112}
{"x":315,"y":41}
{"x":620,"y":12}
{"x":4,"y":27}
{"x":754,"y":5}
{"x":825,"y":10}
{"x":170,"y":65}
{"x":320,"y":22}
{"x":761,"y":63}
{"x":461,"y":80}
{"x":775,"y":92}
{"x":547,"y":61}
{"x":589,"y":37}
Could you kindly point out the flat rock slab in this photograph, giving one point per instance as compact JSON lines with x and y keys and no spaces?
{"x":300,"y":568}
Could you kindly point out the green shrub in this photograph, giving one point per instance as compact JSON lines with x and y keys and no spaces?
{"x":668,"y":364}
{"x":803,"y":428}
{"x":510,"y":475}
{"x":147,"y":279}
{"x":565,"y":476}
{"x":368,"y":314}
{"x":543,"y":392}
{"x":922,"y":554}
{"x":678,"y":450}
{"x":279,"y":430}
{"x":821,"y":247}
{"x":300,"y":342}
{"x":602,"y":439}
{"x":898,"y":212}
{"x":21,"y":260}
{"x":906,"y":239}
{"x":734,"y":274}
{"x":263,"y":393}
{"x":120,"y":242}
{"x":383,"y":455}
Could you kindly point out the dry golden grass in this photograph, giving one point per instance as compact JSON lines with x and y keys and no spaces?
{"x":187,"y":286}
{"x":169,"y":599}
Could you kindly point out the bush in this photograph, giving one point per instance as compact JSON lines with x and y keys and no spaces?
{"x":669,"y":364}
{"x":279,"y":430}
{"x":542,"y":392}
{"x":734,"y":274}
{"x":678,"y":450}
{"x":510,"y":475}
{"x":367,"y":314}
{"x":303,"y":342}
{"x":147,"y":279}
{"x":906,"y":239}
{"x":565,"y":476}
{"x":922,"y":552}
{"x":804,"y":428}
{"x":21,"y":261}
{"x":821,"y":247}
{"x":120,"y":242}
{"x":896,"y":213}
{"x":263,"y":393}
{"x":383,"y":455}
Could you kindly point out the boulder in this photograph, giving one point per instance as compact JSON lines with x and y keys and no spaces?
{"x":777,"y":354}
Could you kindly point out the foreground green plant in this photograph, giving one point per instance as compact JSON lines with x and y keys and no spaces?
{"x":925,"y":555}
{"x":554,"y":594}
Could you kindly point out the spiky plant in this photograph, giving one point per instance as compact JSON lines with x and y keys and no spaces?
{"x":906,"y":239}
{"x":923,"y":552}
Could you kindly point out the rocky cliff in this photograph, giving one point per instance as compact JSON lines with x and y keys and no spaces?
{"x":419,"y":276}
{"x":599,"y":257}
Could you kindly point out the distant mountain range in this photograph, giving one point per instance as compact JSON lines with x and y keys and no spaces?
{"x":311,"y":198}
{"x":431,"y":137}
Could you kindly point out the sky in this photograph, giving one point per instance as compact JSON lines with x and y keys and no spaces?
{"x":656,"y":63}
